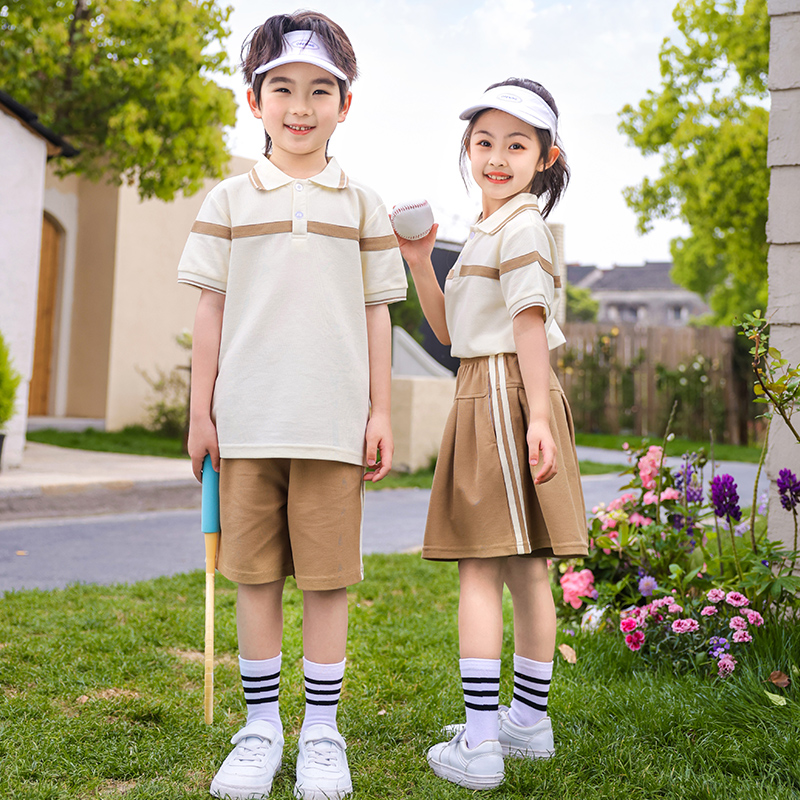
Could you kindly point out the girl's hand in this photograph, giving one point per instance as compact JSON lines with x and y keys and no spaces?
{"x":418,"y":250}
{"x":542,"y":451}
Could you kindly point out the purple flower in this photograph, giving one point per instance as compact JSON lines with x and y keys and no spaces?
{"x":725,"y":497}
{"x":647,"y":585}
{"x":684,"y":478}
{"x":788,"y":489}
{"x":719,"y":644}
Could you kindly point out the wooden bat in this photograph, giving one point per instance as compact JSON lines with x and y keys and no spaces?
{"x":210,"y":526}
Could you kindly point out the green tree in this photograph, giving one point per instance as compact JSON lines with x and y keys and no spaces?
{"x":581,"y":306}
{"x":127,"y":82}
{"x":708,"y":122}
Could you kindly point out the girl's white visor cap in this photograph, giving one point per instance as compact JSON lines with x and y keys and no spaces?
{"x":520,"y":103}
{"x":307,"y":47}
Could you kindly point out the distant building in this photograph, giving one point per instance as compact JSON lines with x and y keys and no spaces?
{"x":645,"y":294}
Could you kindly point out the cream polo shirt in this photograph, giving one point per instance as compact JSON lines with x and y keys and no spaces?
{"x":297,"y":260}
{"x":509,"y":263}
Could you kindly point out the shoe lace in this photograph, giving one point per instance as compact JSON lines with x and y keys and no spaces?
{"x":322,"y":753}
{"x":251,"y":750}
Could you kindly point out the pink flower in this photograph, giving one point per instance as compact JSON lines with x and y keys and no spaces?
{"x":685,"y":625}
{"x":634,"y":640}
{"x":628,"y":624}
{"x":577,"y":585}
{"x":637,"y":519}
{"x":674,"y":609}
{"x":754,"y":618}
{"x":736,"y":599}
{"x":708,"y":611}
{"x":742,"y":636}
{"x":621,"y":501}
{"x":670,"y":494}
{"x":738,"y":624}
{"x":715,"y":595}
{"x":648,"y":467}
{"x":650,"y":498}
{"x":726,"y":665}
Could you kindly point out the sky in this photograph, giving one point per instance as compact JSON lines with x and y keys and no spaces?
{"x":421,"y":63}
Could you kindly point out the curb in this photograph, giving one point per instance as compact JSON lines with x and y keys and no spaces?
{"x":101,"y":497}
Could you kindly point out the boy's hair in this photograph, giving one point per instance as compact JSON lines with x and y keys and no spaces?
{"x":265,"y":43}
{"x":551,"y":181}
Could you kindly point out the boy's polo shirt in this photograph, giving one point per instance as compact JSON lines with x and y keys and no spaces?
{"x":509,"y":263}
{"x":297,"y":260}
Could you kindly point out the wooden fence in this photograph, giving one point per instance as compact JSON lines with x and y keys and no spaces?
{"x":625,"y":378}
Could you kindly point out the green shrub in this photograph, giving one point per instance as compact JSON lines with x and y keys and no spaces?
{"x":9,"y":382}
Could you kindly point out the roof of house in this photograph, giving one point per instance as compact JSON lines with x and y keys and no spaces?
{"x":58,"y":146}
{"x":652,"y":276}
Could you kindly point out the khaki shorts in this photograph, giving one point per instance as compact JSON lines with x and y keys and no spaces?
{"x":299,"y":517}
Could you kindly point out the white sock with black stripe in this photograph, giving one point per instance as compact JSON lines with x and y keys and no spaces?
{"x":261,"y":684}
{"x":480,"y":679}
{"x":531,"y":687}
{"x":323,"y":689}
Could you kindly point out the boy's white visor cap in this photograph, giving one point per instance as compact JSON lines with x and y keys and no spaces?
{"x":307,"y":47}
{"x":520,"y":103}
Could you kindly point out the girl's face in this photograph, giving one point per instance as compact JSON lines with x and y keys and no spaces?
{"x":504,"y":154}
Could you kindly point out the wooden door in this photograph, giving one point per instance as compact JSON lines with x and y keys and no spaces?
{"x":39,"y":395}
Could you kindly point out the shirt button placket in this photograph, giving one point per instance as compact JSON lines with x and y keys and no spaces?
{"x":299,"y":210}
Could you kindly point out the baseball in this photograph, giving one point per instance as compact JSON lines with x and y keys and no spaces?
{"x":412,"y":220}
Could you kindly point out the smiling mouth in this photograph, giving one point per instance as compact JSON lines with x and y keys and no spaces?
{"x":497,"y":177}
{"x":300,"y":129}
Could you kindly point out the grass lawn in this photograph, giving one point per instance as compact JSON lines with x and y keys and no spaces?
{"x":677,"y":447}
{"x":101,"y":692}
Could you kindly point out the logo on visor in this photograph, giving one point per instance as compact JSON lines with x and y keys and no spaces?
{"x":309,"y":45}
{"x":512,"y":98}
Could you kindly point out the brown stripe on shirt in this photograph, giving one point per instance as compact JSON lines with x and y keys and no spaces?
{"x":261,"y":229}
{"x":524,"y":260}
{"x":211,"y":229}
{"x":336,"y":231}
{"x":388,"y":242}
{"x":256,"y":181}
{"x":479,"y":271}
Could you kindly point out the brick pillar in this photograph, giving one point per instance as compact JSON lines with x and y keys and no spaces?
{"x":783,"y":232}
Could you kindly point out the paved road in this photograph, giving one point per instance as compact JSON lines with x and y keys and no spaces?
{"x":52,"y":553}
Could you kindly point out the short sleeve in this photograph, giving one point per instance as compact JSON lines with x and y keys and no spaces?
{"x":206,"y":256}
{"x":528,"y":268}
{"x":381,"y":263}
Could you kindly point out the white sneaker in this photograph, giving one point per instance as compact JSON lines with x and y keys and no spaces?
{"x":322,"y":771}
{"x":247,"y":772}
{"x":480,"y":767}
{"x":535,"y":741}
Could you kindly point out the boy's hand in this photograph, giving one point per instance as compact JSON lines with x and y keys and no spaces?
{"x":202,"y":440}
{"x":540,"y":441}
{"x":379,"y":438}
{"x":417,"y":250}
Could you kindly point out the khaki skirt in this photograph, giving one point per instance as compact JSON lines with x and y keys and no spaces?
{"x":484,"y":503}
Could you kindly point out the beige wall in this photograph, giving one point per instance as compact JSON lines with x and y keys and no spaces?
{"x":149,"y":307}
{"x":783,"y":232}
{"x":419,"y":411}
{"x":93,"y":289}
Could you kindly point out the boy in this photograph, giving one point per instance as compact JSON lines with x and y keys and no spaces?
{"x":291,"y":379}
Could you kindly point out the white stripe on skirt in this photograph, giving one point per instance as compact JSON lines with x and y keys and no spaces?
{"x":501,"y":441}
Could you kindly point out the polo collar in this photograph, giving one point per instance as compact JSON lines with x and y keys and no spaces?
{"x":516,"y":205}
{"x":265,"y":176}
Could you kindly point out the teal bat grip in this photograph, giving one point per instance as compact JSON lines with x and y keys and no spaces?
{"x":209,"y":515}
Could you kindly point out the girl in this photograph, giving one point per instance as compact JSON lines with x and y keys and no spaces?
{"x":498,"y":518}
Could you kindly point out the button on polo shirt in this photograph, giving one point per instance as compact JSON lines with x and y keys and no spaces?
{"x":509,"y":263}
{"x":298,"y":260}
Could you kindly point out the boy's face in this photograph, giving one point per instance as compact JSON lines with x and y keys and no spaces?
{"x":300,"y":109}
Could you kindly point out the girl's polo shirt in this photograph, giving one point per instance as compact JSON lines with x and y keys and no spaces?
{"x":297,"y":260}
{"x":509,"y":263}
